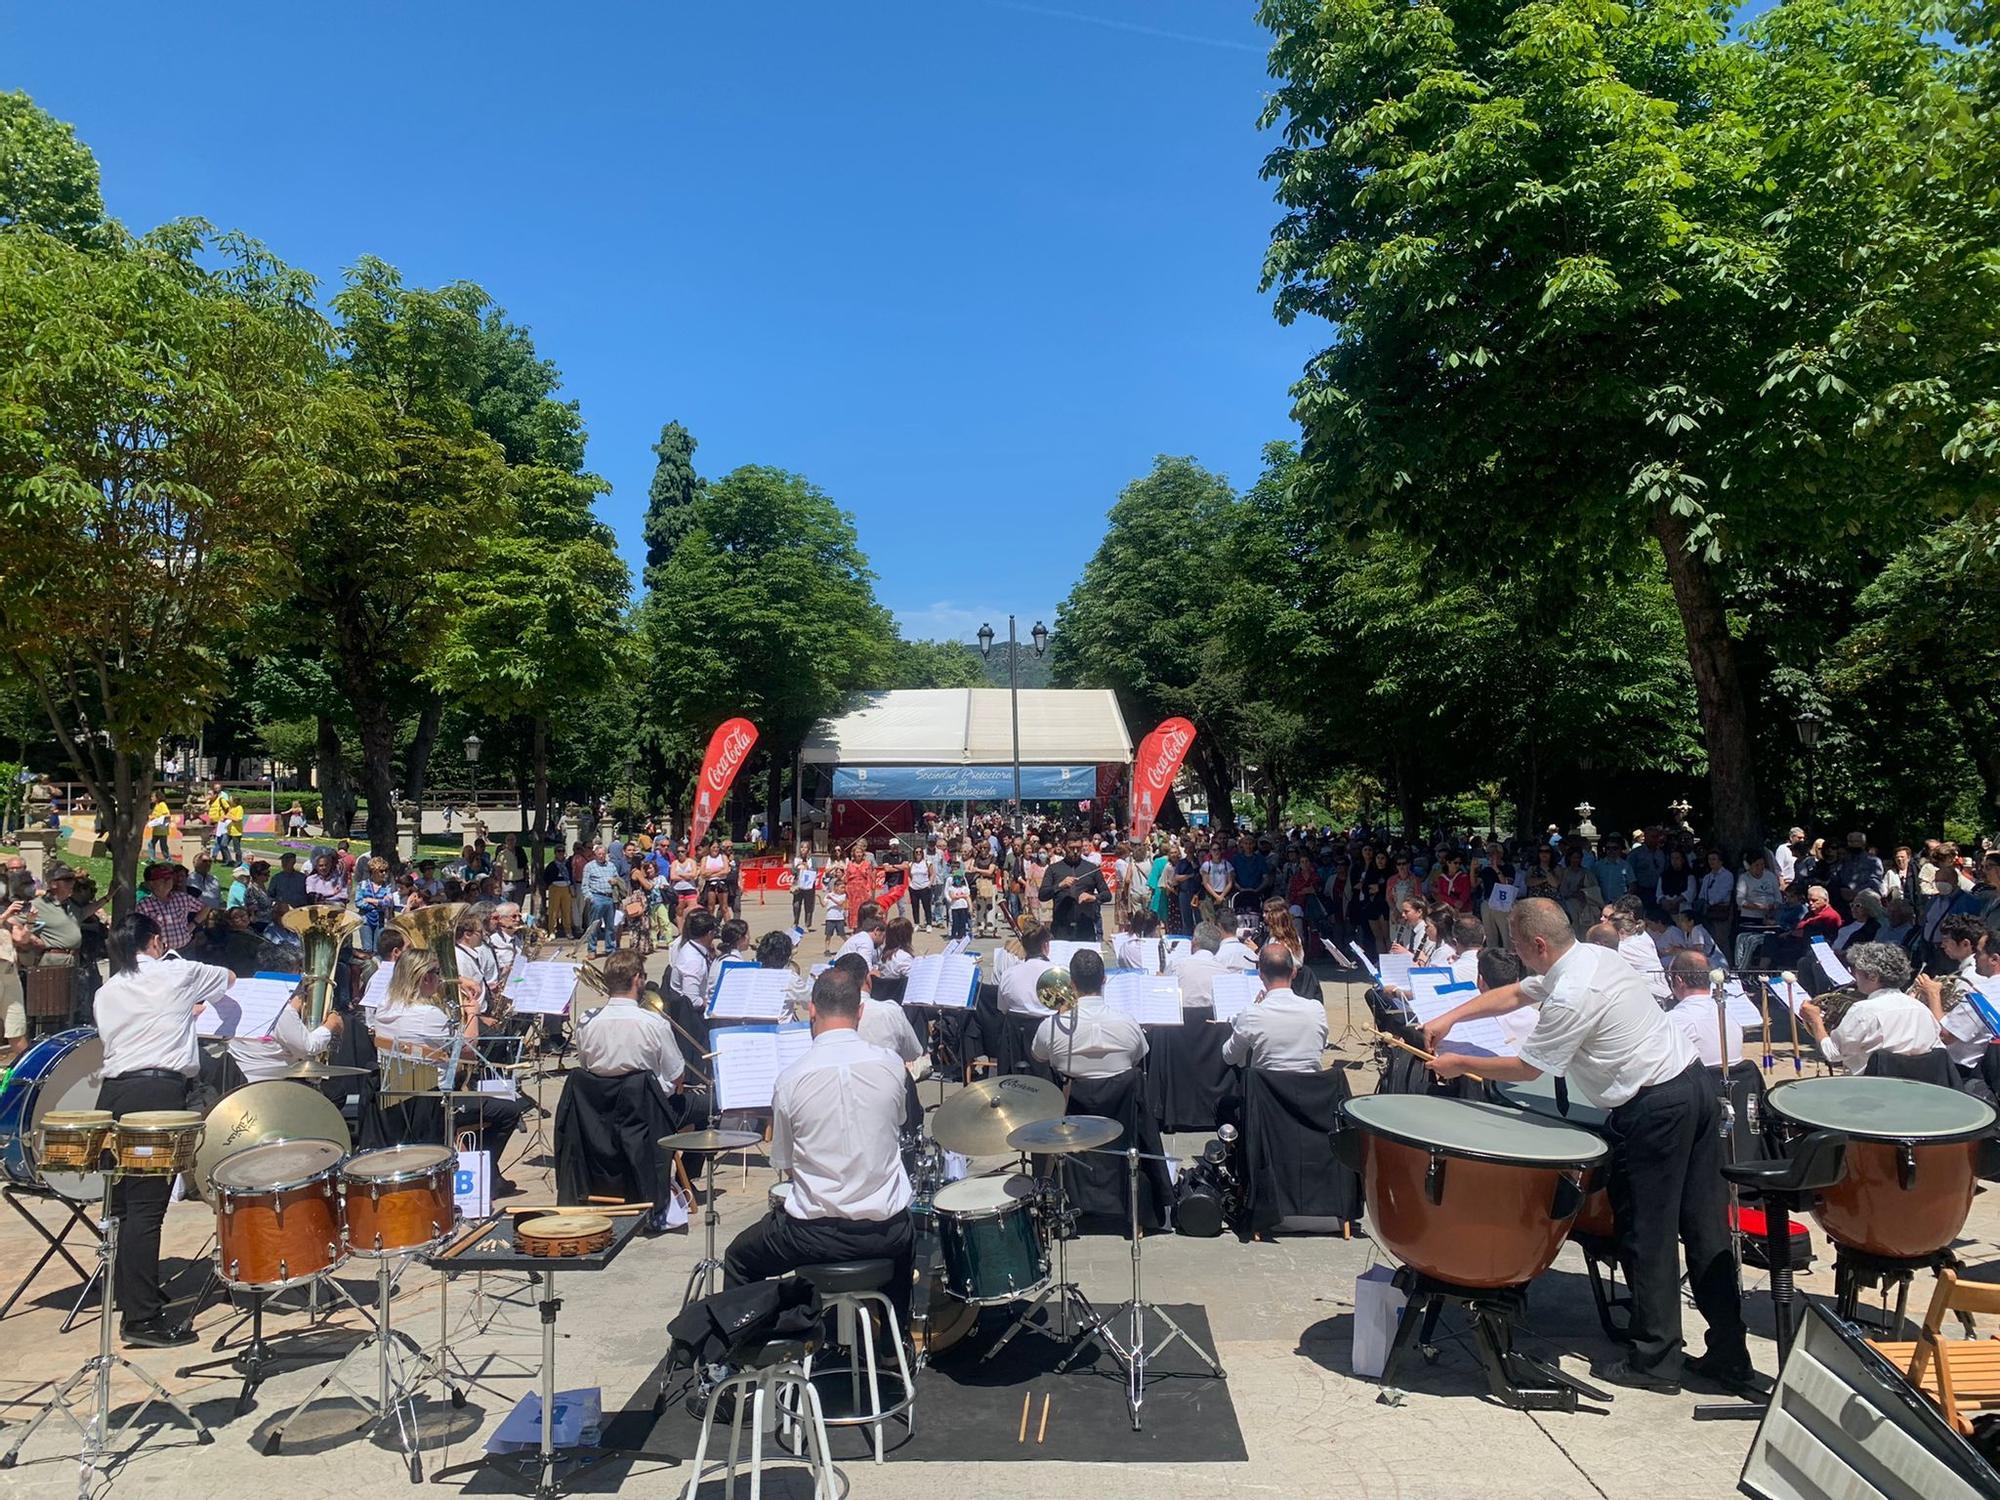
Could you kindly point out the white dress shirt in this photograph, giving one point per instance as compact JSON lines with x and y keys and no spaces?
{"x":147,"y":1019}
{"x":413,"y":1021}
{"x":1017,"y":988}
{"x":836,"y":1126}
{"x":1696,"y":1015}
{"x":625,"y":1037}
{"x":895,"y":965}
{"x":1966,"y":1034}
{"x":1236,"y":954}
{"x":862,"y":943}
{"x":1601,"y":1027}
{"x":1465,"y":967}
{"x":266,"y":1057}
{"x":884,"y":1025}
{"x":1643,"y":954}
{"x":688,"y":973}
{"x":1197,"y":976}
{"x":1886,"y":1021}
{"x":1092,"y":1041}
{"x":477,"y":962}
{"x":1282,"y":1033}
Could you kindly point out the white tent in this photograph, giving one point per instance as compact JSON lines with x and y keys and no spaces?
{"x":973,"y":727}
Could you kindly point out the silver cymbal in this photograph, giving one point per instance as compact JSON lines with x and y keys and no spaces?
{"x":276,"y":1109}
{"x":702,"y":1142}
{"x":977,"y":1120}
{"x":1065,"y":1133}
{"x":311,"y":1069}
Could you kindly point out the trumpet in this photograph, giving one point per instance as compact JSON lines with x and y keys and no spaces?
{"x":323,"y":931}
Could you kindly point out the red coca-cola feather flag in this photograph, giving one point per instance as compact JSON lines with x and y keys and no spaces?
{"x":1153,"y":772}
{"x":728,"y":748}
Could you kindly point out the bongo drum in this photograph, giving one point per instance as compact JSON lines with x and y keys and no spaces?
{"x":158,"y":1142}
{"x":70,"y":1142}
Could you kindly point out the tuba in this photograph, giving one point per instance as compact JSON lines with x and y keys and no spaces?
{"x":436,"y":928}
{"x":323,"y":932}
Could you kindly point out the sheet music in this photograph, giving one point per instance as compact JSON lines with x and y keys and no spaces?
{"x":1830,"y":962}
{"x":1425,"y":984}
{"x":1984,"y":998}
{"x":1396,"y":971}
{"x":1367,"y":963}
{"x":957,"y":945}
{"x":1061,"y":951}
{"x":1790,"y":996}
{"x":1149,"y":999}
{"x":944,"y":979}
{"x":543,"y":987}
{"x":1178,"y":948}
{"x":748,"y":1060}
{"x":1483,"y":1036}
{"x":377,"y":993}
{"x":1234,"y":994}
{"x":1742,"y":1010}
{"x":750,"y":992}
{"x":250,"y":1009}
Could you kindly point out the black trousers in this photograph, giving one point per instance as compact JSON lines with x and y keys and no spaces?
{"x":140,"y":1203}
{"x":920,"y":904}
{"x":778,"y":1243}
{"x":803,"y":903}
{"x":1666,"y":1185}
{"x":420,"y":1121}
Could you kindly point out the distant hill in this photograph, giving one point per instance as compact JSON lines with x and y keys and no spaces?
{"x":1034,"y":669}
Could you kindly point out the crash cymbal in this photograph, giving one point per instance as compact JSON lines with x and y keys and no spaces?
{"x":1065,"y":1133}
{"x":701,"y":1142}
{"x":278,"y":1109}
{"x":977,"y":1120}
{"x":310,"y":1069}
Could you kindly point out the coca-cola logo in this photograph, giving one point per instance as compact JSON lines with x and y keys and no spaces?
{"x":1167,"y":758}
{"x":729,"y":757}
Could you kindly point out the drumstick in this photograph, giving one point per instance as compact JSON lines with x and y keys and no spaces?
{"x":1766,"y":997}
{"x":470,"y":1240}
{"x":1396,"y":1041}
{"x":609,"y":1210}
{"x":1022,"y":1435}
{"x":1792,"y":1004}
{"x":1042,"y":1431}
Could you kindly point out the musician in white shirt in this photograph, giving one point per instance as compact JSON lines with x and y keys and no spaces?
{"x":272,"y":1055}
{"x":836,"y":1123}
{"x":145,"y":1015}
{"x":1709,"y":1029}
{"x":693,"y":961}
{"x":1138,"y":947}
{"x":624,"y":1037}
{"x":1017,"y":985}
{"x":1968,"y":947}
{"x":1198,"y":970}
{"x":1468,"y":935}
{"x":1235,"y":954}
{"x":1885,"y":1019}
{"x":1282,"y":1032}
{"x":882,"y":1023}
{"x":866,"y":938}
{"x":1092,"y":1040}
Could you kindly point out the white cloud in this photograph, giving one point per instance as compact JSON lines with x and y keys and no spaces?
{"x":946,"y":621}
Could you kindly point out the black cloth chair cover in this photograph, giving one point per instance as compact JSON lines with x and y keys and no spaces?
{"x":1934,"y":1066}
{"x":1405,"y":1074}
{"x":890,"y":989}
{"x":355,"y":1048}
{"x":1097,"y":1182}
{"x":607,"y":1133}
{"x":1187,"y":1082}
{"x":1289,"y":1166}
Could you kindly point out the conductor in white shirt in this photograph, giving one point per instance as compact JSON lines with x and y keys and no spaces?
{"x":1093,"y":1040}
{"x":1017,"y":985}
{"x":1282,"y":1032}
{"x":1709,"y":1029}
{"x":145,"y":1014}
{"x":1601,"y":1029}
{"x":836,"y":1116}
{"x":1885,"y":1019}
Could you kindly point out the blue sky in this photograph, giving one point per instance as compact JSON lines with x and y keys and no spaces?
{"x":968,"y":265}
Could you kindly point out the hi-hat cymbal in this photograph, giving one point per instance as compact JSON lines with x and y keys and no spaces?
{"x":1065,"y":1133}
{"x":310,"y":1069}
{"x":278,"y":1109}
{"x":701,"y":1142}
{"x":977,"y":1120}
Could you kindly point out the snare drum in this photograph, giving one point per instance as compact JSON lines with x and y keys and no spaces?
{"x":277,"y":1215}
{"x":399,"y":1199}
{"x":158,"y":1142}
{"x":991,"y":1238}
{"x":562,"y":1235}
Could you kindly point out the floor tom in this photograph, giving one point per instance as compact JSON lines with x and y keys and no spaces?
{"x":991,"y":1240}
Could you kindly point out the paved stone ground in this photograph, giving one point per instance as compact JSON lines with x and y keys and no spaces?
{"x":1281,"y":1315}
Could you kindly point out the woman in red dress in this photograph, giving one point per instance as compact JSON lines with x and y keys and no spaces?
{"x":858,"y":875}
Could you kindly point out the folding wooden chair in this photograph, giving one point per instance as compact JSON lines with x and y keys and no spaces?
{"x":1962,"y":1376}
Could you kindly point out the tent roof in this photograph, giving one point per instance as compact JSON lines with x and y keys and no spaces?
{"x":973,"y":727}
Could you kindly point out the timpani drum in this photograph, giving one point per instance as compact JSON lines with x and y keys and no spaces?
{"x":277,"y":1214}
{"x":1475,"y":1195}
{"x":1911,"y":1160}
{"x":158,"y":1142}
{"x":1538,"y":1097}
{"x":58,"y":1073}
{"x":399,"y":1199}
{"x":990,"y":1238}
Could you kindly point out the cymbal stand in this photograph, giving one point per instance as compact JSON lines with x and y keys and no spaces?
{"x":97,"y":1372}
{"x":1065,"y":1292}
{"x":707,"y":1272}
{"x":1132,"y":1351}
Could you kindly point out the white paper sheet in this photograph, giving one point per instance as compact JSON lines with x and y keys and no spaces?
{"x":544,"y":987}
{"x":1425,"y":984}
{"x":1742,"y":1010}
{"x":1149,"y":999}
{"x":1483,"y":1036}
{"x":1062,"y":951}
{"x":250,"y":1009}
{"x":749,"y":992}
{"x":1396,"y":971}
{"x":1234,"y":994}
{"x":377,"y":993}
{"x":949,"y":980}
{"x":1830,"y":962}
{"x":1178,"y":948}
{"x":1789,"y":996}
{"x":1367,"y":963}
{"x":957,"y":945}
{"x":748,"y":1060}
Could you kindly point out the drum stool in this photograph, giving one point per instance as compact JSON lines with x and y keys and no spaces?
{"x":765,"y":1374}
{"x":851,"y":1289}
{"x":1786,"y":1185}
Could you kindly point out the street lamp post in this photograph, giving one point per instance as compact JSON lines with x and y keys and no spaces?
{"x":1040,"y":636}
{"x":471,"y":747}
{"x":1808,"y":724}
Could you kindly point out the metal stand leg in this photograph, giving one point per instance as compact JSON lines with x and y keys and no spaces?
{"x":54,"y":1247}
{"x":96,"y":1371}
{"x":258,"y":1359}
{"x":707,"y":1272}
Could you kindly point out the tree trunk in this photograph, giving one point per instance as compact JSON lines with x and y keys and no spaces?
{"x":1718,"y":686}
{"x":421,"y":746}
{"x":122,"y":819}
{"x":1980,"y":746}
{"x":1211,"y":766}
{"x":336,"y":792}
{"x":538,"y":832}
{"x":378,"y":773}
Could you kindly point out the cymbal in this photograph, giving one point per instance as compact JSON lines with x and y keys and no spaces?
{"x":1065,"y":1133}
{"x":310,"y":1069}
{"x":278,"y":1109}
{"x":703,"y":1141}
{"x":977,"y":1120}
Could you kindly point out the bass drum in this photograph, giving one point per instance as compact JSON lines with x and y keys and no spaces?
{"x":57,"y":1074}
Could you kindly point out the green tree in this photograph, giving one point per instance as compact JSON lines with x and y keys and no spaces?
{"x":154,"y":462}
{"x":671,"y":496}
{"x":48,"y":178}
{"x":766,"y":609}
{"x":936,"y":664}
